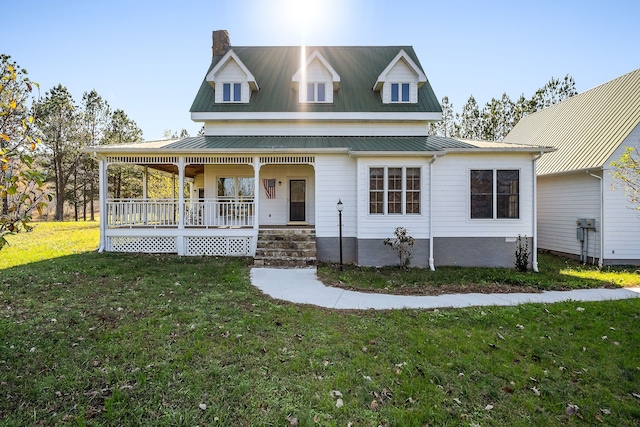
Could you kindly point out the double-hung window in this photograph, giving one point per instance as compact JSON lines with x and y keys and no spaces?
{"x":316,"y":92}
{"x":495,"y":194}
{"x":231,"y":92}
{"x":399,"y":92}
{"x":394,"y":191}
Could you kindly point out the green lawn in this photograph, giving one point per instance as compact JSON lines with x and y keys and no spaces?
{"x":126,"y":339}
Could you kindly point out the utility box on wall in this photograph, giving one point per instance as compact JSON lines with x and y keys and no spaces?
{"x":586,"y":223}
{"x":580,"y":234}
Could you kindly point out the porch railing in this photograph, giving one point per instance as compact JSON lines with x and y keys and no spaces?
{"x":166,"y":213}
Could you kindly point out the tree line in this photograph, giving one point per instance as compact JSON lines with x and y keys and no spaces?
{"x":42,"y":140}
{"x":498,"y":116}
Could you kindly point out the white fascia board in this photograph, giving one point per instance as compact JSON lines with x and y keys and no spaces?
{"x":502,"y":150}
{"x":231,"y":55}
{"x":422,"y":77}
{"x":278,"y":116}
{"x":179,"y":152}
{"x":396,"y":153}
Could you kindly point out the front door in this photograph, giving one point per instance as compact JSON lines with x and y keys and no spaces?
{"x":297,"y":196}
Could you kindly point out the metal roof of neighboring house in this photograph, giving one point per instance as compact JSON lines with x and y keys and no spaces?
{"x":354,"y":144}
{"x":585,"y":129}
{"x":358,"y":67}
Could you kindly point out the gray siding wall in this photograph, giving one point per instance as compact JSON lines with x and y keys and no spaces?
{"x":476,"y":251}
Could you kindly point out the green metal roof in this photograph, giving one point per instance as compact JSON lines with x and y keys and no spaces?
{"x":351,"y":143}
{"x":358,"y":67}
{"x":586,"y":129}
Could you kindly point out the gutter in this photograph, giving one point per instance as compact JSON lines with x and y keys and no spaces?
{"x":534,"y":261}
{"x":432,"y":266}
{"x":600,"y":260}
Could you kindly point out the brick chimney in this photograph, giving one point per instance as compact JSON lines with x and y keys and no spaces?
{"x":221,"y":42}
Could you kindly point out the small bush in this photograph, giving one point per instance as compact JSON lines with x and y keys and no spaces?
{"x":522,"y":254}
{"x":402,"y":244}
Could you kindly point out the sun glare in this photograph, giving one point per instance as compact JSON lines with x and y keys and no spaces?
{"x":304,"y":18}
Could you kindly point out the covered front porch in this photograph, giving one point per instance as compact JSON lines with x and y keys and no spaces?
{"x":217,"y":204}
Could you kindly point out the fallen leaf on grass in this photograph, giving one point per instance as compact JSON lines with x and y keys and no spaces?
{"x":535,"y":391}
{"x":572,"y":409}
{"x":339,"y":403}
{"x":293,"y":421}
{"x":488,"y":407}
{"x":202,"y":406}
{"x":335,"y":393}
{"x":507,"y":390}
{"x":373,"y":405}
{"x":605,"y":411}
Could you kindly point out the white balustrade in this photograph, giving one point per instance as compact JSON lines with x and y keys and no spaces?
{"x":165,"y":213}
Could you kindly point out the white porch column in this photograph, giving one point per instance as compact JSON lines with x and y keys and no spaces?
{"x":145,"y":183}
{"x":181,"y":238}
{"x":103,"y":189}
{"x":256,"y":196}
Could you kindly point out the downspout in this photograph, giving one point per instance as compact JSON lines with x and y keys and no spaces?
{"x":534,"y":260}
{"x":600,"y":260}
{"x":431,"y":260}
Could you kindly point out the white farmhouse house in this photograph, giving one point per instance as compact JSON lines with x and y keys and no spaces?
{"x":289,"y":132}
{"x":582,"y":210}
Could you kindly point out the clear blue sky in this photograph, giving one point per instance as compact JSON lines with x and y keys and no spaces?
{"x":149,"y":58}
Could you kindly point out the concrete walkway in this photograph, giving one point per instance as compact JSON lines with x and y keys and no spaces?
{"x":301,"y":286}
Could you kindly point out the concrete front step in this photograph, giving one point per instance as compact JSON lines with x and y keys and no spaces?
{"x":290,"y":247}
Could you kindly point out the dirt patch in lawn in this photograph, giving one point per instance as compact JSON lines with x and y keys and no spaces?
{"x":485,"y":288}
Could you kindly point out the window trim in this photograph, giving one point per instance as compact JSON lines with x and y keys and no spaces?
{"x":400,"y":89}
{"x":494,"y":195}
{"x":236,"y":186}
{"x":316,"y":93}
{"x":232,"y":92}
{"x":386,"y":190}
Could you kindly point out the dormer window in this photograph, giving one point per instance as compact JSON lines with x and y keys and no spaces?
{"x":316,"y":92}
{"x":231,"y":92}
{"x":231,"y":80}
{"x":316,"y":81}
{"x":400,"y":81}
{"x":400,"y":92}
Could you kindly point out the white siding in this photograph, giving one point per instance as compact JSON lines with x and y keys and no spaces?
{"x":232,"y":73}
{"x":335,"y":180}
{"x":317,"y":128}
{"x":276,"y":211}
{"x":316,"y":73}
{"x":563,"y":199}
{"x":400,"y":73}
{"x":622,"y":221}
{"x":382,"y":226}
{"x":451,"y":196}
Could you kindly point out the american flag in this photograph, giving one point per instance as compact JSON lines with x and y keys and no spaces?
{"x":269,"y":187}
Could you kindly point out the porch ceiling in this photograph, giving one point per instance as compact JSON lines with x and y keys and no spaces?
{"x":190,"y":171}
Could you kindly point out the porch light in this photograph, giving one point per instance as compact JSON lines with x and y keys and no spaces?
{"x":340,"y":206}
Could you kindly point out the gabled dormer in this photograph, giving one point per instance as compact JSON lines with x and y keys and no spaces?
{"x":316,"y":80}
{"x":232,"y":80}
{"x":400,"y":81}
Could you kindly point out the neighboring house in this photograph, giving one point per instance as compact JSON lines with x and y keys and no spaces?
{"x":291,"y":131}
{"x":589,"y":131}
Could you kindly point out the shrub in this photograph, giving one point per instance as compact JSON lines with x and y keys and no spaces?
{"x":402,"y":244}
{"x":522,"y":254}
